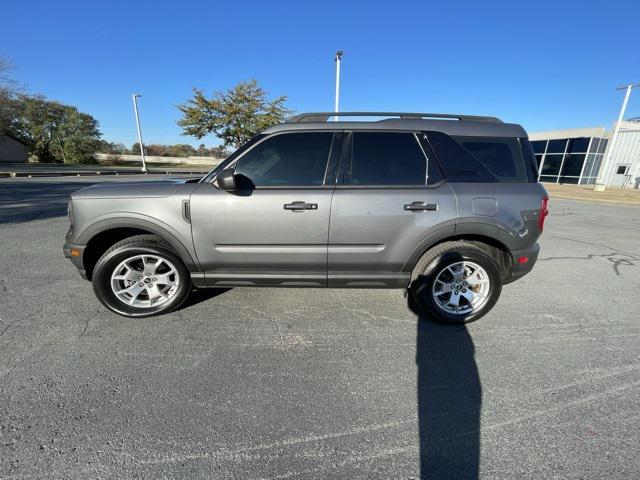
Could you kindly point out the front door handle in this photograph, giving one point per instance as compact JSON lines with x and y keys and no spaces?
{"x":421,"y":207}
{"x":300,"y":206}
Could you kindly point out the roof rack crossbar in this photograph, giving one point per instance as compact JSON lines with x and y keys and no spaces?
{"x":324,"y":116}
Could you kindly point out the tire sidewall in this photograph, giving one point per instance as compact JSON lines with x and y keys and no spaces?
{"x":422,"y":286}
{"x":104,"y":268}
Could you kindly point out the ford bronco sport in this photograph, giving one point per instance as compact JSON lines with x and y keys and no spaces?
{"x":447,"y":206}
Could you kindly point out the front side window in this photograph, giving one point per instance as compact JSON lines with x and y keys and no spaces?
{"x":385,"y":159}
{"x":287,"y":160}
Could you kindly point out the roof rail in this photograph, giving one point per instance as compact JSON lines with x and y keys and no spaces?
{"x":324,"y":116}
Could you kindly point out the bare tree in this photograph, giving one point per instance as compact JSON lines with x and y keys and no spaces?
{"x":8,"y":89}
{"x":7,"y":82}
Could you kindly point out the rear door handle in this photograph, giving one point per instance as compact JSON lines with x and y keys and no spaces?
{"x":300,"y":206}
{"x":421,"y":207}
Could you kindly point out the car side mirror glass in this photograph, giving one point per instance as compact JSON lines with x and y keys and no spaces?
{"x":226,"y":180}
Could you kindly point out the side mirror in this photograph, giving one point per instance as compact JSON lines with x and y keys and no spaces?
{"x":226,"y":180}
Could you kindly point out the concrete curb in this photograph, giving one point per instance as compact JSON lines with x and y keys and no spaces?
{"x":561,"y":196}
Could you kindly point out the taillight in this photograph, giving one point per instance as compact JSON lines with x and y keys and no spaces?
{"x":544,"y":211}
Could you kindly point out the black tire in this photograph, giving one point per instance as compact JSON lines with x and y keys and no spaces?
{"x":436,"y":260}
{"x":137,"y":245}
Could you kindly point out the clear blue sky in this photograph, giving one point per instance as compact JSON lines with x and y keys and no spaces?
{"x":546,"y":65}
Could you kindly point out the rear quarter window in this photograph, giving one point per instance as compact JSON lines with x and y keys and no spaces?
{"x":480,"y":159}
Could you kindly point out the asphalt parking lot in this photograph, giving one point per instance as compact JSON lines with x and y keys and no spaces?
{"x":321,"y":383}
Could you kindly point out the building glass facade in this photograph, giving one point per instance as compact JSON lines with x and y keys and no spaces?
{"x":570,"y":160}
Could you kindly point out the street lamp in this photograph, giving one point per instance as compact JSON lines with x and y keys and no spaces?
{"x":606,"y":177}
{"x":337,"y":60}
{"x":134,"y":97}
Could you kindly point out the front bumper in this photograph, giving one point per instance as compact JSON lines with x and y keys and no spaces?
{"x":519,"y":270}
{"x":76,"y":259}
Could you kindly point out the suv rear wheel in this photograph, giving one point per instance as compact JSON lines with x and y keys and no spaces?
{"x":456,"y":282}
{"x":140,"y":277}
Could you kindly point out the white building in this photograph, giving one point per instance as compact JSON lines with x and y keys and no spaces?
{"x":623,"y":169}
{"x":577,"y":156}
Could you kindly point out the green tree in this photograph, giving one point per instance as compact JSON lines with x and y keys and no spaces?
{"x":219,"y":152}
{"x":135,"y":149}
{"x":112,"y":147}
{"x":54,"y":132}
{"x":235,"y":116}
{"x":77,"y":136}
{"x":182,"y":150}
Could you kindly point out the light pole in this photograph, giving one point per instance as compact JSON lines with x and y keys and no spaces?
{"x":338,"y":57}
{"x":135,"y":109}
{"x":606,"y":177}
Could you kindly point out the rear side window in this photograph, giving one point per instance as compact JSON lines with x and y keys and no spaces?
{"x":458,"y":164}
{"x":530,"y":161}
{"x":290,"y":159}
{"x":384,"y":159}
{"x":480,"y":159}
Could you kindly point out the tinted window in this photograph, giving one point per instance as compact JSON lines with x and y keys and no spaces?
{"x":556,"y":146}
{"x":501,"y":156}
{"x":539,"y":146}
{"x":578,"y":145}
{"x":538,"y":161}
{"x":573,"y":165}
{"x":381,"y":158}
{"x":573,"y":180}
{"x":458,"y":164}
{"x":224,"y":164}
{"x":551,"y":165}
{"x":530,"y":159}
{"x":435,"y":174}
{"x":290,"y":159}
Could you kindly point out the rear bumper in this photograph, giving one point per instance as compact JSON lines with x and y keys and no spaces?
{"x":77,"y":260}
{"x":519,"y":270}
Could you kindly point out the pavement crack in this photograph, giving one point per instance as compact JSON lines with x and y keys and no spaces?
{"x":86,"y":326}
{"x":268,"y":316}
{"x":617,"y":258}
{"x":358,"y":312}
{"x":15,"y":322}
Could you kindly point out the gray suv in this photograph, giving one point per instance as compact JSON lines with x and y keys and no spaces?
{"x":446,"y":206}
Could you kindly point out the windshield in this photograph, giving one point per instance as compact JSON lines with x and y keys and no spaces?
{"x":222,"y":165}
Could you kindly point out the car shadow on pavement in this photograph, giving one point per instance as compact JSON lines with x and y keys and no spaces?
{"x":449,"y":401}
{"x":198,"y":295}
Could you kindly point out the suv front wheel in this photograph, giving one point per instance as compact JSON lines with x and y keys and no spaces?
{"x":140,"y":276}
{"x":456,"y":282}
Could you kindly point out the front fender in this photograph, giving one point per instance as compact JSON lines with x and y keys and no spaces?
{"x":182,"y":246}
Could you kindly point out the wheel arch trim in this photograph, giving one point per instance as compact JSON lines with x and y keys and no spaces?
{"x":491,"y":234}
{"x":141,"y":222}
